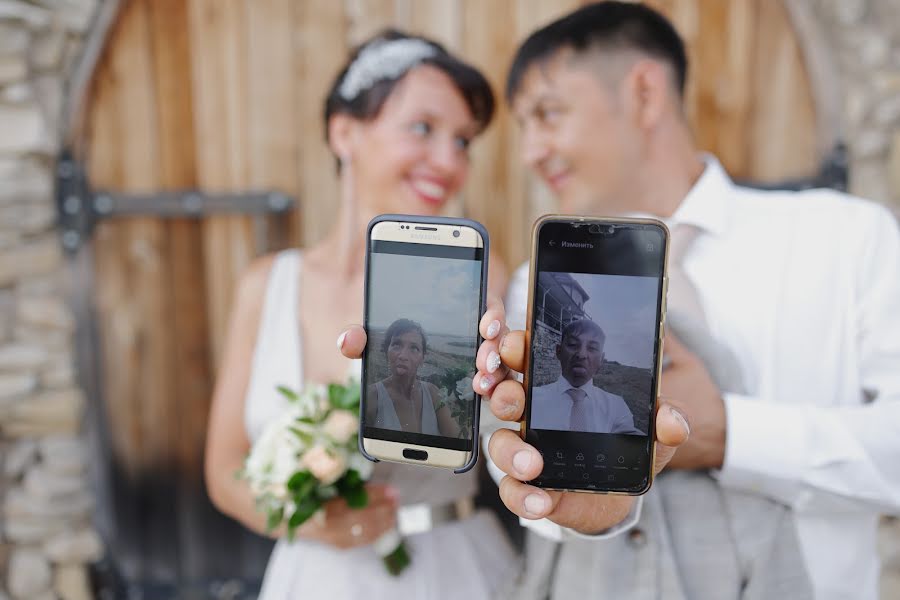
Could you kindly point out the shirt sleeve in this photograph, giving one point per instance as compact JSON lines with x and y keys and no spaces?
{"x":846,"y":457}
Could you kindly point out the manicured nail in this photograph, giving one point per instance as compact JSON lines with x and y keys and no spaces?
{"x":493,"y":362}
{"x":485,"y":383}
{"x":521,"y":461}
{"x":340,"y":340}
{"x":681,"y":419}
{"x":493,"y":329}
{"x":535,"y":504}
{"x":392,"y":493}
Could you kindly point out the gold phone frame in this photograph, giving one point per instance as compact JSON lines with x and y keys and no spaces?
{"x":389,"y":230}
{"x":661,"y":316}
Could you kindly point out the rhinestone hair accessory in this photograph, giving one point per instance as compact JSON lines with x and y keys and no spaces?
{"x":383,"y":59}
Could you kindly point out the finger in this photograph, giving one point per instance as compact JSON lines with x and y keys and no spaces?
{"x":672,"y":430}
{"x":488,"y":358}
{"x":512,"y":350}
{"x":525,"y":500}
{"x":484,"y":383}
{"x":513,"y":456}
{"x":508,"y":400}
{"x":494,"y":318}
{"x":674,"y":349}
{"x":352,"y":341}
{"x":382,"y":494}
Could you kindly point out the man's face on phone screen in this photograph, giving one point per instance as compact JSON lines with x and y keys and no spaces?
{"x":580,"y":356}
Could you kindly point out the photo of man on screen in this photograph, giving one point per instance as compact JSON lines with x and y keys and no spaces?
{"x":573,"y":402}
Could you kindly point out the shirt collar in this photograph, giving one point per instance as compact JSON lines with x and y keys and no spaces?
{"x":564,"y":385}
{"x":706,"y":205}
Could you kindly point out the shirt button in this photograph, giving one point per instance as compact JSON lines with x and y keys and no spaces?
{"x":637,"y":538}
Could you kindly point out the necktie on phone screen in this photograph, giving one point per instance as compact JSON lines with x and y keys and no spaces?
{"x":579,"y":415}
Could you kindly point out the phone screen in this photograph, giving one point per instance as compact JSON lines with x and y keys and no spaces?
{"x":423,"y":302}
{"x":595,"y":343}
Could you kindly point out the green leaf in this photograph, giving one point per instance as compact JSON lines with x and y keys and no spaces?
{"x":306,"y":508}
{"x":343,"y":397}
{"x":288,"y":393}
{"x":298,"y":480}
{"x":397,"y":561}
{"x":351,"y":478}
{"x":274,"y":518}
{"x":356,"y":497}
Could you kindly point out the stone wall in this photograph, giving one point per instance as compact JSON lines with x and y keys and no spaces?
{"x":864,"y":39}
{"x":47,"y":539}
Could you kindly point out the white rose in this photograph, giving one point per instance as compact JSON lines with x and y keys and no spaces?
{"x":326,"y":467}
{"x":273,"y":459}
{"x":361,"y":465}
{"x":464,"y":389}
{"x":341,"y":425}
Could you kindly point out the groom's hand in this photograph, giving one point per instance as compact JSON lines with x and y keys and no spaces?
{"x":584,"y":512}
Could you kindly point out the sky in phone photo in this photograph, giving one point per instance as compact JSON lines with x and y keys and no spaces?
{"x":625,"y":308}
{"x":441,"y":294}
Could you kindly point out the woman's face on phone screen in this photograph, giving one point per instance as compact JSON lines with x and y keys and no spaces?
{"x":406,"y":353}
{"x":413,"y":157}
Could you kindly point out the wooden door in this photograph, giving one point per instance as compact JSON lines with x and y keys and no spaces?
{"x":226,"y":95}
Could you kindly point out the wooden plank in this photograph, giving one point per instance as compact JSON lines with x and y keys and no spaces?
{"x":487,"y":192}
{"x":218,"y":53}
{"x":272,"y":132}
{"x":320,"y":51}
{"x":188,"y":406}
{"x":783,"y":140}
{"x":132,"y":299}
{"x":365,"y":18}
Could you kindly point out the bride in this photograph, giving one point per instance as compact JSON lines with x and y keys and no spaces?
{"x":399,"y":119}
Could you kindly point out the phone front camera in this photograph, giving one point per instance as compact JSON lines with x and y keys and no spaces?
{"x":456,"y":233}
{"x":595,"y":229}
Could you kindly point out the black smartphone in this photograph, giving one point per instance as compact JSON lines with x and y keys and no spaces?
{"x":425,"y":289}
{"x":595,"y":327}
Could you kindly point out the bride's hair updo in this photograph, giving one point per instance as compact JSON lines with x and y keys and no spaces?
{"x":375,"y":68}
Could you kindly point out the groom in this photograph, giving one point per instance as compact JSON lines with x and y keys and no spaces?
{"x":786,"y":357}
{"x":784,"y":305}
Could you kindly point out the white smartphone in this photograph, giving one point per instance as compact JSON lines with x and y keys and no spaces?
{"x":424,"y":295}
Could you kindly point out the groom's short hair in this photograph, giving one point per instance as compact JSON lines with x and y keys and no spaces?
{"x":605,"y":26}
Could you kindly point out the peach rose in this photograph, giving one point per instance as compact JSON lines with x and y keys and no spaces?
{"x":326,"y":467}
{"x":341,"y":425}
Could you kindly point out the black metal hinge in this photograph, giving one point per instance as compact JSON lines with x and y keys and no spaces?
{"x":79,"y":208}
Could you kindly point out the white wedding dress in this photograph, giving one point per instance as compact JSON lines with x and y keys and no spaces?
{"x":469,"y":559}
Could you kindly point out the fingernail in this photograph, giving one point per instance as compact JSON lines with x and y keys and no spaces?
{"x":340,"y":340}
{"x":521,"y":461}
{"x":493,"y":329}
{"x":493,"y":362}
{"x":485,"y":383}
{"x":392,"y":493}
{"x":681,"y":419}
{"x":535,"y":504}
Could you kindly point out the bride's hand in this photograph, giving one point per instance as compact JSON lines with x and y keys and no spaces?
{"x":344,"y":527}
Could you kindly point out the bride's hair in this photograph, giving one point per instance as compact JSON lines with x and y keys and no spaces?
{"x":375,"y":67}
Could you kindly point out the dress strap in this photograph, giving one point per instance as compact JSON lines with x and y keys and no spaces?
{"x":277,"y":356}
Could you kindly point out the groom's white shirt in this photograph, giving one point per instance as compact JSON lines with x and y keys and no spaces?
{"x":803,"y":288}
{"x":551,"y":408}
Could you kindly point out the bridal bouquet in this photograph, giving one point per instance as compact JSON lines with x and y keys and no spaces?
{"x":308,"y":456}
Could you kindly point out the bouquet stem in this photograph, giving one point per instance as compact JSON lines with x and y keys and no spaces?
{"x":392,"y":550}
